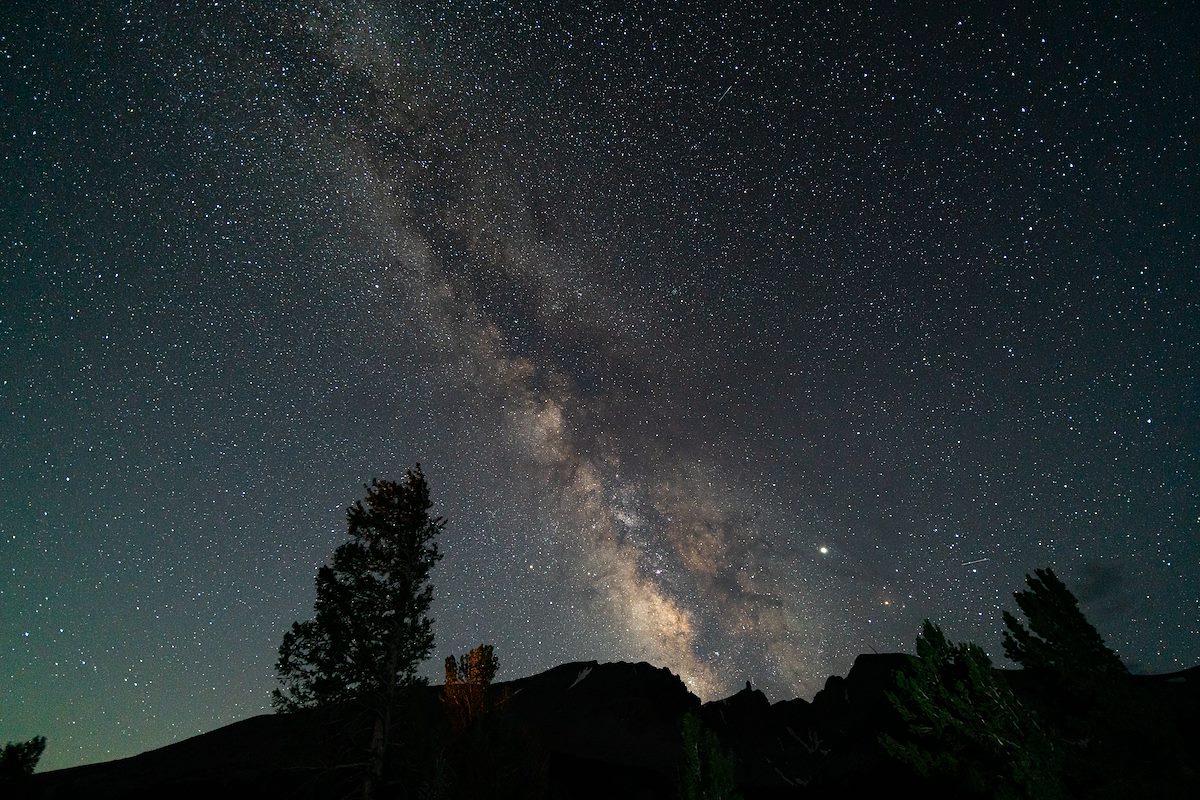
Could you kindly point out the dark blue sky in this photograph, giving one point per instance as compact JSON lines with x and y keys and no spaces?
{"x":739,"y":342}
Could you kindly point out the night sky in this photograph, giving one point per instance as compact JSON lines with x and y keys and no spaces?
{"x":734,"y":341}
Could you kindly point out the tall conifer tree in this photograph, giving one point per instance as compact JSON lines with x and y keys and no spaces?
{"x":371,"y":627}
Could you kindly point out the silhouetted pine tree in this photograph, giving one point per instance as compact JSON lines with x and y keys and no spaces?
{"x":1079,"y":684}
{"x":1059,"y":641}
{"x":19,"y":759}
{"x":371,"y":627}
{"x":965,"y":727}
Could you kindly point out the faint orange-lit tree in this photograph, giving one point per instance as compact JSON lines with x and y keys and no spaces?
{"x":467,"y":682}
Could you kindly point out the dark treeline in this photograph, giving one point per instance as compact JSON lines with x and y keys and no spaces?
{"x":356,"y":720}
{"x":952,"y":724}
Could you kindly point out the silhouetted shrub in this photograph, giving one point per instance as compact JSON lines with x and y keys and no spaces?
{"x":708,"y":770}
{"x":20,"y":759}
{"x":467,"y":681}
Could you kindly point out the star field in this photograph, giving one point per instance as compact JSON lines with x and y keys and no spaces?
{"x":739,"y":341}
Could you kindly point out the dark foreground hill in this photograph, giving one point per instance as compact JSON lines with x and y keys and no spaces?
{"x":588,"y":730}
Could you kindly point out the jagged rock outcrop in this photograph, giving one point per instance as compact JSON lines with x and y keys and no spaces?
{"x":796,"y":748}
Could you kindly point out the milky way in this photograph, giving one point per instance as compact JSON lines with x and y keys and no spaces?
{"x":652,"y":554}
{"x":734,"y":342}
